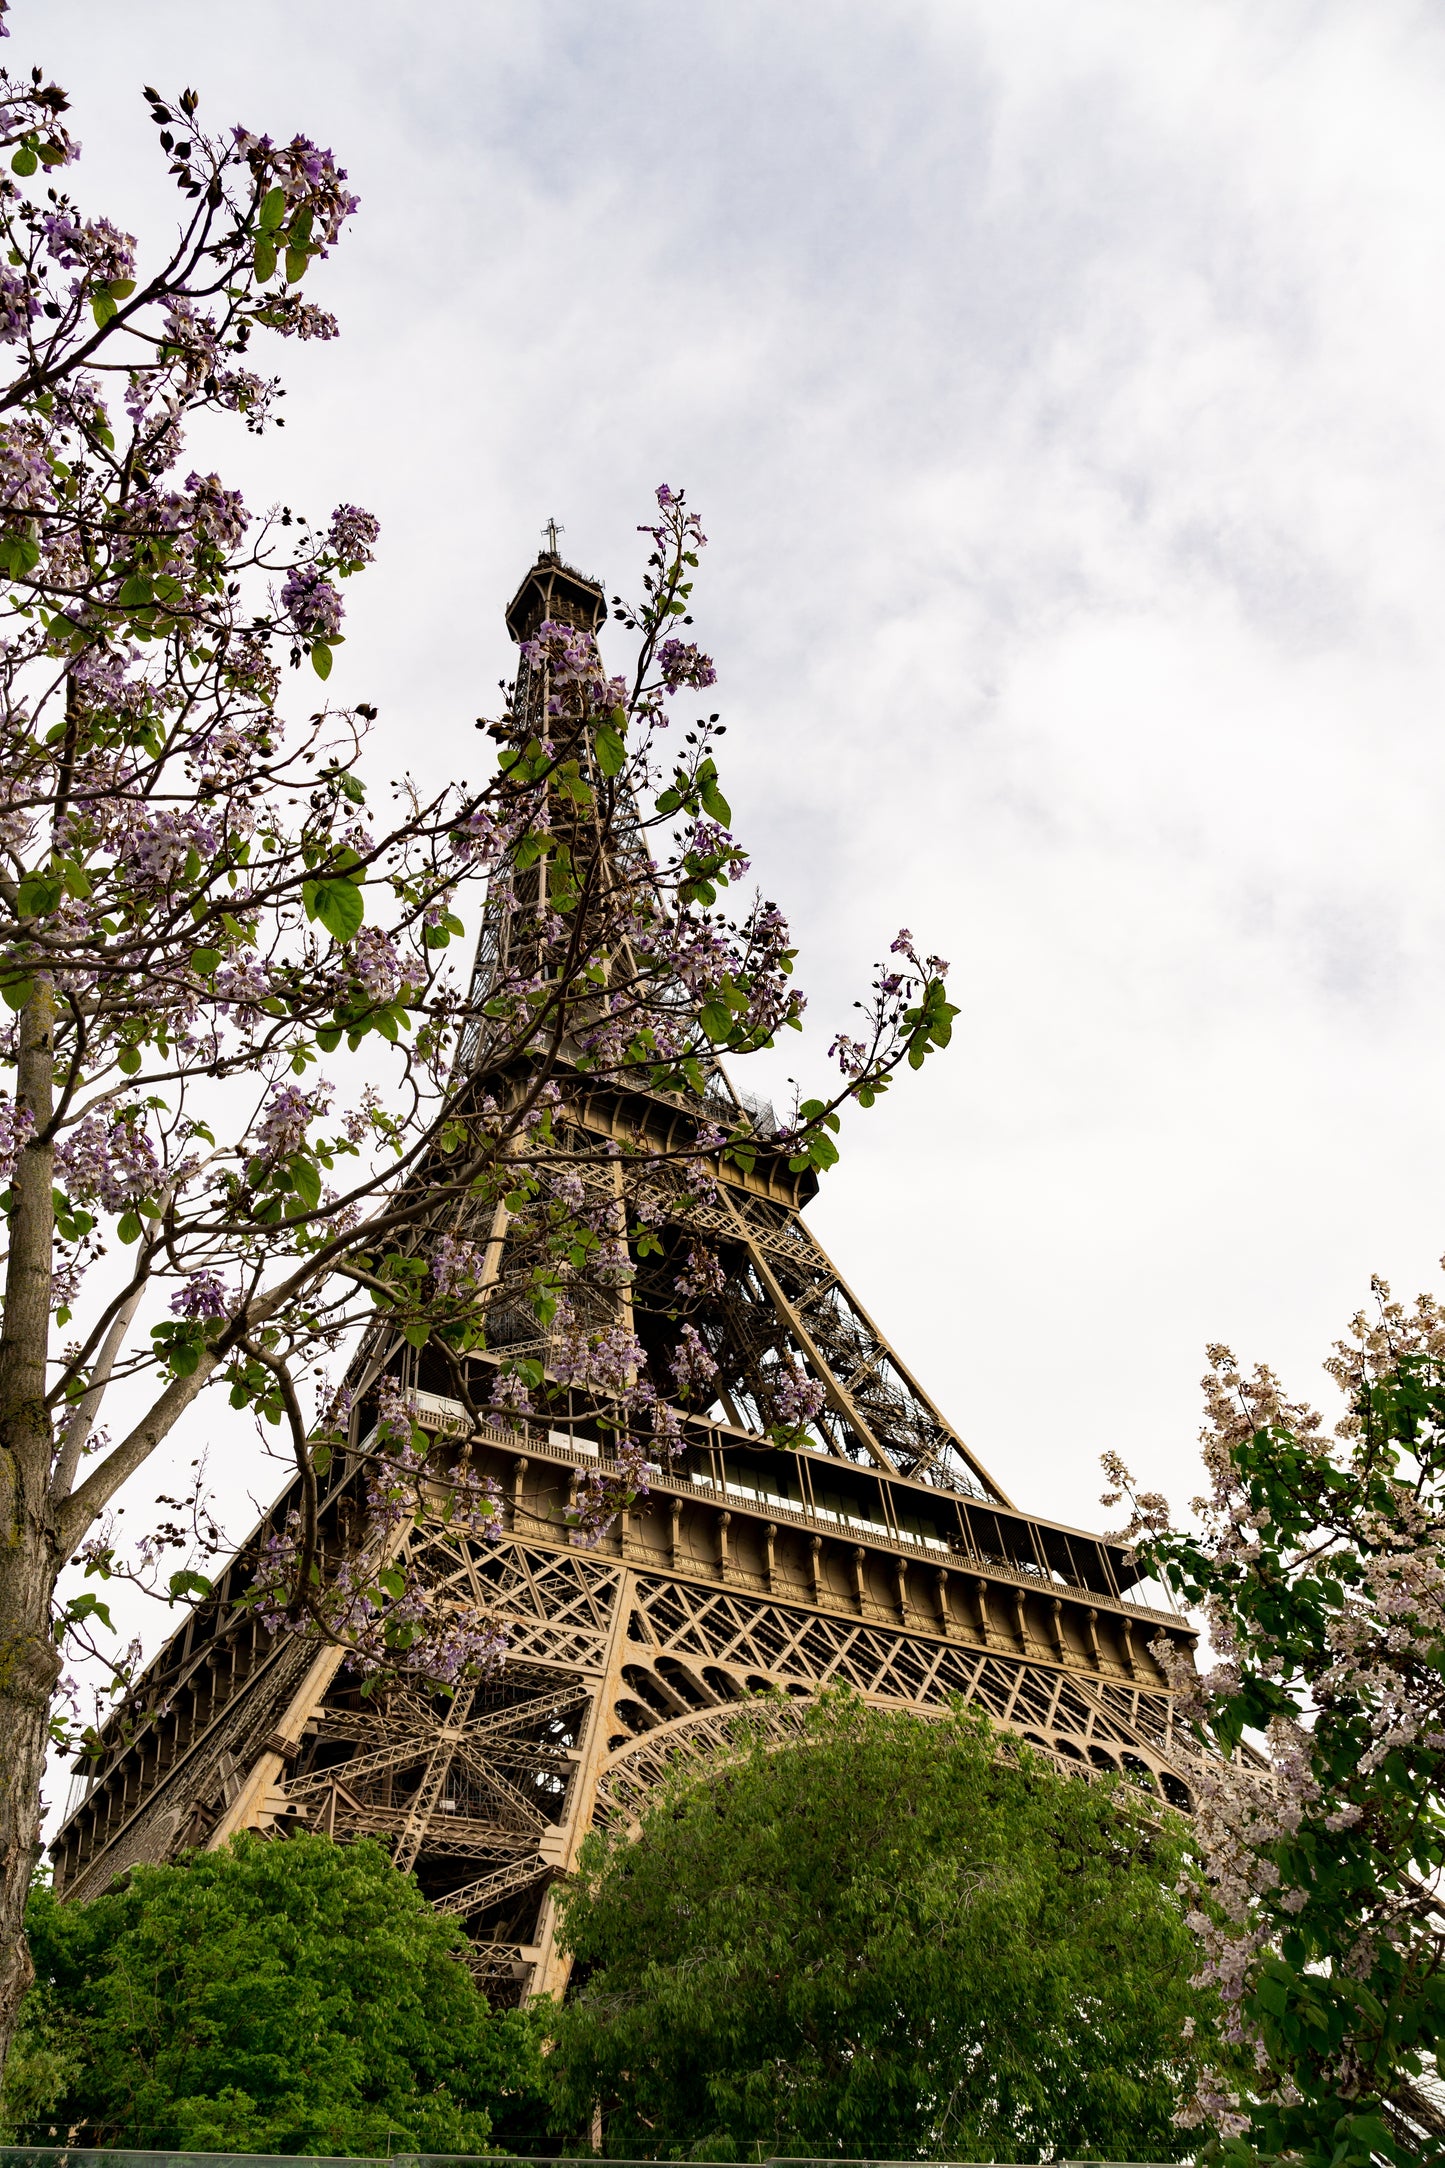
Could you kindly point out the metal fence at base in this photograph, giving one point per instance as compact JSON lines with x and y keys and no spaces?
{"x":77,"y":2156}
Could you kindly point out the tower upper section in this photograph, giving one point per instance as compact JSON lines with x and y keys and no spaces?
{"x":553,"y":590}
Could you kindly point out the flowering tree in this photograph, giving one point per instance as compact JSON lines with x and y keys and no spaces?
{"x":1320,"y":1566}
{"x":196,"y":910}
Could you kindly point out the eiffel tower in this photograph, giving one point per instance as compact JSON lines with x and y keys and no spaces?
{"x":882,"y":1555}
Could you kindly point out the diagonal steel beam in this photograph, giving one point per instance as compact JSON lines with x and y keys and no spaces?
{"x":476,"y":1896}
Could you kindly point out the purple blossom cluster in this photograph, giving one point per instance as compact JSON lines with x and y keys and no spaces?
{"x":333,"y":1408}
{"x":395,"y":1414}
{"x":306,"y":321}
{"x":102,"y":680}
{"x":797,"y":1399}
{"x":455,"y":1264}
{"x":311,"y":178}
{"x":602,"y":1491}
{"x":19,"y":305}
{"x":565,"y":1187}
{"x":204,"y":1296}
{"x":285,"y":1119}
{"x":703,"y":1274}
{"x":390,"y":1630}
{"x":243,"y":988}
{"x":375,"y":964}
{"x":678,"y":529}
{"x":194,"y":339}
{"x":928,"y":967}
{"x":680,"y":663}
{"x":94,"y":246}
{"x":511,"y":1398}
{"x":398,"y":1635}
{"x":213,"y":511}
{"x":67,"y":1275}
{"x":707,"y":839}
{"x":312,"y":603}
{"x":852,"y":1055}
{"x":27,"y":485}
{"x":154,"y":844}
{"x":577,"y":689}
{"x":484,"y":840}
{"x":353,"y":534}
{"x":691,"y":1362}
{"x":109,"y":1161}
{"x":16,"y":1127}
{"x":604,"y":1362}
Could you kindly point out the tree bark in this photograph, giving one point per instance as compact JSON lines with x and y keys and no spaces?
{"x":29,"y":1555}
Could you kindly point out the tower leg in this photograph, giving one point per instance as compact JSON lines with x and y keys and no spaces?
{"x":249,"y":1804}
{"x":553,"y":1964}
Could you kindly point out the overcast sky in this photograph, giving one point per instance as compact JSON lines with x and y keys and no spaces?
{"x":1062,"y":391}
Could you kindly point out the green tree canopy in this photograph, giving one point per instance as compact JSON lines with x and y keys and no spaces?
{"x":291,"y":1997}
{"x":885,"y":1940}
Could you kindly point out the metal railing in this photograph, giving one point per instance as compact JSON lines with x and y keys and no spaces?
{"x":73,"y":2156}
{"x":433,"y":1411}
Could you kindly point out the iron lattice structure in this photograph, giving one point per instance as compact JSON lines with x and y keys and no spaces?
{"x":885,"y":1557}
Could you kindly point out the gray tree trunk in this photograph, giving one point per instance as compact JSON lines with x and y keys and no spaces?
{"x":29,"y":1549}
